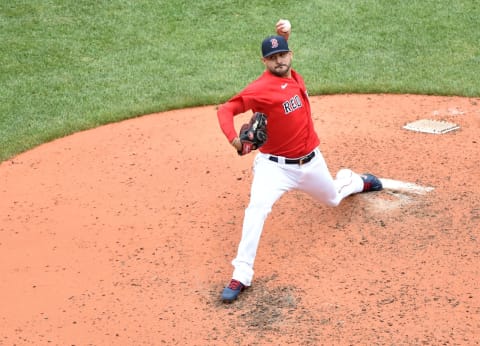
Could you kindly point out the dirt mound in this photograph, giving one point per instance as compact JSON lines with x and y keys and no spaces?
{"x":124,"y":235}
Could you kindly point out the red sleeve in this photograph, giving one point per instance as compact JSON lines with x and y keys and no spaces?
{"x":225,"y":115}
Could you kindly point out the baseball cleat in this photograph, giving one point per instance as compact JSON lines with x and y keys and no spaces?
{"x":231,"y":292}
{"x":371,"y":183}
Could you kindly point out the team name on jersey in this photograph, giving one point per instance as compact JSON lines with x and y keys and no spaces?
{"x":294,"y":103}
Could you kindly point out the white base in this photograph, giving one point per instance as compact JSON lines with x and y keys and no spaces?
{"x":431,"y":126}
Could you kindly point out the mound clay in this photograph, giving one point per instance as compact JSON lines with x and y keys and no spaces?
{"x":123,"y":235}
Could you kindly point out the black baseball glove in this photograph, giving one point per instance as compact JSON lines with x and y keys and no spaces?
{"x":254,"y":134}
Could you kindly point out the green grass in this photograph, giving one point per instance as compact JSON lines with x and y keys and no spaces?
{"x":69,"y":65}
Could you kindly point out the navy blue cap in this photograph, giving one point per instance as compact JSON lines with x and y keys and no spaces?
{"x":273,"y":45}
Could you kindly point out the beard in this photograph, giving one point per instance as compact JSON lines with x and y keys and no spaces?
{"x":281,"y":70}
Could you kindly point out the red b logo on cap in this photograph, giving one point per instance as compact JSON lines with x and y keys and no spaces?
{"x":274,"y":43}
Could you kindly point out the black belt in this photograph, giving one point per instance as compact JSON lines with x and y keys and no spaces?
{"x":299,"y":161}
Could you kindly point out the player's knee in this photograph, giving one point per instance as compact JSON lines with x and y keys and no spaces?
{"x":333,"y":202}
{"x":333,"y":199}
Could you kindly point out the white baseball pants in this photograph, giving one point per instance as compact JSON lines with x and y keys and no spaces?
{"x":270,"y":181}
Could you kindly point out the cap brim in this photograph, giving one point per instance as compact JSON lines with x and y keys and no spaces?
{"x":276,"y":51}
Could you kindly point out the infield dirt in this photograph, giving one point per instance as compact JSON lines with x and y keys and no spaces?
{"x":123,"y":235}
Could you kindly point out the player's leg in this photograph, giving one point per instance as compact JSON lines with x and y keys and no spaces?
{"x":319,"y":183}
{"x":270,"y":182}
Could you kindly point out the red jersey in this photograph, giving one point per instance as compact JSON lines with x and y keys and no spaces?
{"x":285,"y":102}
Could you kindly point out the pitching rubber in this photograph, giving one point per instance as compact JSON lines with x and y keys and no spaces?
{"x":397,"y":185}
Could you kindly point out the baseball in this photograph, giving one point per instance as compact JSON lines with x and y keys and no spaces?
{"x":283,"y":26}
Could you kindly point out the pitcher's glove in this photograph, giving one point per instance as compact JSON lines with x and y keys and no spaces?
{"x":254,"y":134}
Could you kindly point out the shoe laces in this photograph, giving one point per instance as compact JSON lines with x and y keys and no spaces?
{"x":235,"y":285}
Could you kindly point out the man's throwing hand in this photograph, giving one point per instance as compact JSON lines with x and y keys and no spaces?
{"x":283,"y":28}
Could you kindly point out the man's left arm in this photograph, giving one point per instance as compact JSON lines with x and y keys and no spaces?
{"x":225,"y":115}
